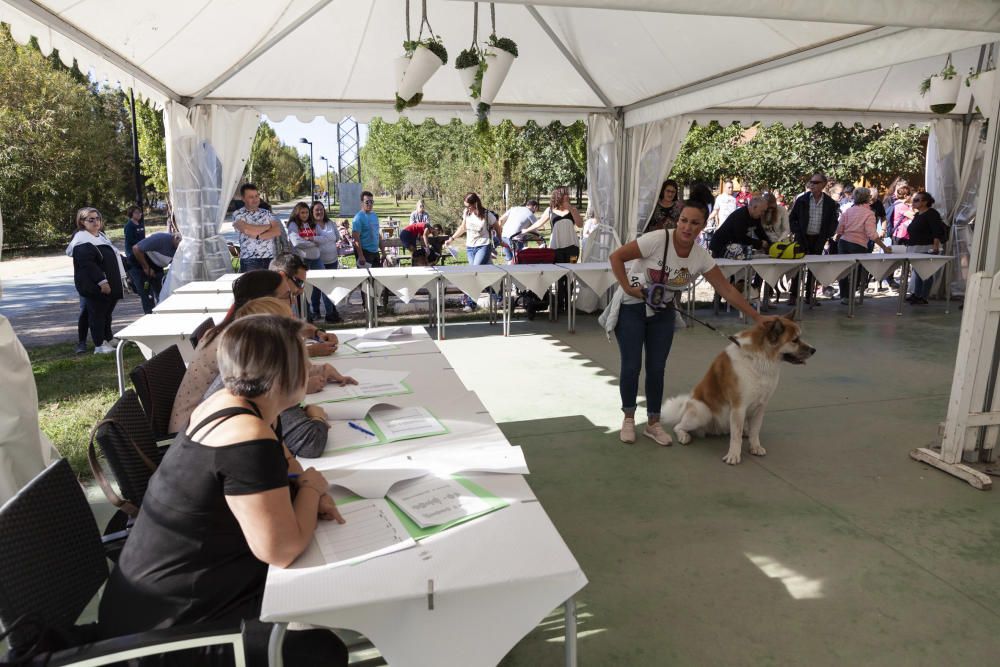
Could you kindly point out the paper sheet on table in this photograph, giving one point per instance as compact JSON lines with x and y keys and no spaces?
{"x":382,"y":333}
{"x":371,"y":383}
{"x":488,"y":502}
{"x":348,"y":410}
{"x":432,"y":501}
{"x":362,"y":345}
{"x":342,"y":435}
{"x":405,"y":423}
{"x":372,"y":529}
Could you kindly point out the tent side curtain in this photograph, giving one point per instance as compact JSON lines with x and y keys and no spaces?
{"x":207,"y":148}
{"x":651,"y":150}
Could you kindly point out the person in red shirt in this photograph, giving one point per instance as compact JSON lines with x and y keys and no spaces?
{"x":418,"y":230}
{"x":744,"y":197}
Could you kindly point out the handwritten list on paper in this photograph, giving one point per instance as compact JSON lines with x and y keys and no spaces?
{"x":372,"y":529}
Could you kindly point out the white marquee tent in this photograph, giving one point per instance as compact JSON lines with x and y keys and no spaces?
{"x":639,"y":71}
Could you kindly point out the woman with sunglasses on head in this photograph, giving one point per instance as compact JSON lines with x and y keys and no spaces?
{"x":477,"y":226}
{"x":98,"y":275}
{"x":328,"y":240}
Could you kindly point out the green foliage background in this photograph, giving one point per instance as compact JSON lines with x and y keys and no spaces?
{"x":781,"y":158}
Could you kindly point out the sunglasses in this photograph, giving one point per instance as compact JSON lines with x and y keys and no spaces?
{"x":92,"y":219}
{"x":815,"y":182}
{"x":368,"y":202}
{"x":298,"y":282}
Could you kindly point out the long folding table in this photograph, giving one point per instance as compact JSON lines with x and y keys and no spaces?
{"x":462,"y":597}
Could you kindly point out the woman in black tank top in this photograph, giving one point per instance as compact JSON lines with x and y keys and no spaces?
{"x":218,"y":509}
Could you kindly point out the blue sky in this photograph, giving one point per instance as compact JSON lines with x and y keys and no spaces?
{"x":322,"y":133}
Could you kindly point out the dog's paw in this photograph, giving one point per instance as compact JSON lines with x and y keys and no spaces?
{"x":758,"y":451}
{"x":732,"y":458}
{"x":683,"y":437}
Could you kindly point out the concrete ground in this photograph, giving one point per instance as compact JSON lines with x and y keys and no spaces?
{"x":834,"y":549}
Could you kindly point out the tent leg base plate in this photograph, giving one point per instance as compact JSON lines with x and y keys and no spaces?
{"x":974,"y":477}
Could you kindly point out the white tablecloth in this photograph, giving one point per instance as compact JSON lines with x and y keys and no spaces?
{"x":595,"y":275}
{"x":195,"y":303}
{"x":404,"y":282}
{"x":206,"y":287}
{"x":535,"y":277}
{"x":155,"y":333}
{"x":471,"y":279}
{"x":336,"y":283}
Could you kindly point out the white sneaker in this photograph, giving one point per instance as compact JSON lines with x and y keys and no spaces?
{"x":467,"y":309}
{"x":104,"y":349}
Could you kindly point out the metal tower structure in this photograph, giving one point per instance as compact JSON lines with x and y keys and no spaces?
{"x":348,"y":151}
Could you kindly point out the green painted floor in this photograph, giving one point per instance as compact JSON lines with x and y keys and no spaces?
{"x":835,"y":549}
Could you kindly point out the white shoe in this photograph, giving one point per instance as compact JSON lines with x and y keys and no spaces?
{"x":466,"y":309}
{"x":104,"y":349}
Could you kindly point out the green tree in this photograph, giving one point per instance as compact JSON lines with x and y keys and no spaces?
{"x":64,"y":144}
{"x":152,"y":146}
{"x":280,"y":171}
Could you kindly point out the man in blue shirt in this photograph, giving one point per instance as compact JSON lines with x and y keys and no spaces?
{"x":146,"y":263}
{"x":135,"y":228}
{"x":368,"y":247}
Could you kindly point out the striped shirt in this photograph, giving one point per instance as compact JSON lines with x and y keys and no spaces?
{"x":815,"y":217}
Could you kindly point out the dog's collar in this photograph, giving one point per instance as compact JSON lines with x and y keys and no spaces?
{"x":735,"y":340}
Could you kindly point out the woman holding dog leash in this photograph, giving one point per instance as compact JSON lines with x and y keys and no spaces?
{"x":641,"y":314}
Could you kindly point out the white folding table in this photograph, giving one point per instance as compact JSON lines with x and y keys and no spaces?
{"x":405,"y":282}
{"x":595,"y":275}
{"x":195,"y":303}
{"x":472,"y":279}
{"x":153,"y":334}
{"x":206,"y":287}
{"x":339,"y":283}
{"x":535,"y":278}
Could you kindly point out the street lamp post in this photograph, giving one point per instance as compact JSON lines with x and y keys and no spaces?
{"x":327,"y":162}
{"x":312,"y":172}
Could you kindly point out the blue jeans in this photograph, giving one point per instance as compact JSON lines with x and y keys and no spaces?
{"x":254,"y":263}
{"x":148,"y":296}
{"x":514,"y":246}
{"x":477,"y":255}
{"x":317,"y":295}
{"x":634,"y":332}
{"x":848,"y":248}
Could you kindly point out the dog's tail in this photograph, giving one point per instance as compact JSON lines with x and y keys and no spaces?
{"x":673,"y":409}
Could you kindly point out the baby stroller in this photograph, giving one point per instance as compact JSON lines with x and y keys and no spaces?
{"x":531,"y":302}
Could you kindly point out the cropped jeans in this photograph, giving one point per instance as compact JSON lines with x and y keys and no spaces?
{"x":318,"y":295}
{"x":634,"y":333}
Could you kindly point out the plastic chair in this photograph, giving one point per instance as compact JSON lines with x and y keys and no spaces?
{"x":54,"y":564}
{"x":156,"y":381}
{"x":200,"y":331}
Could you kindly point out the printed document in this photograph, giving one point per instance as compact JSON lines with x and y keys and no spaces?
{"x":431,"y":501}
{"x":372,"y":530}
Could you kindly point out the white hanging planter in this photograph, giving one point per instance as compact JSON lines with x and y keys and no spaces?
{"x":982,"y":90}
{"x":943,"y":93}
{"x":468,"y":77}
{"x":400,"y":63}
{"x":498,"y":64}
{"x":423,"y":64}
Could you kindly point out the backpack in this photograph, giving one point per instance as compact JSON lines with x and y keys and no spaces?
{"x":786,"y":250}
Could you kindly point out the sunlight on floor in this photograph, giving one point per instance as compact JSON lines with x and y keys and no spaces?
{"x":799,"y":586}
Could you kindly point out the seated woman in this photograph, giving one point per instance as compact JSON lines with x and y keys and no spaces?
{"x":304,"y":429}
{"x":218,"y":509}
{"x":203,"y":370}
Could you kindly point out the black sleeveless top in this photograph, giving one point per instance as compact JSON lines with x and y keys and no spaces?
{"x":186,"y":559}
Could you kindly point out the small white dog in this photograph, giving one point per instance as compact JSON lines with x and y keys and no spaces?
{"x":737,"y":387}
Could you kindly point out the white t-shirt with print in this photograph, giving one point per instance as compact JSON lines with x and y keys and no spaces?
{"x":681,"y":272}
{"x":725,"y":205}
{"x":477,"y":230}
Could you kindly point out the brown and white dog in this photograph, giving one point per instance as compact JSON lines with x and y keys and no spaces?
{"x":737,"y":387}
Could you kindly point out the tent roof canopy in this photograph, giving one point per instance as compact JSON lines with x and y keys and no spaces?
{"x":649,"y":58}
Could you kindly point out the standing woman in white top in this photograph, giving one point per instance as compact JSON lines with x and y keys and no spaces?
{"x":478,"y":224}
{"x":565,"y":221}
{"x":673,"y":259}
{"x":328,"y":239}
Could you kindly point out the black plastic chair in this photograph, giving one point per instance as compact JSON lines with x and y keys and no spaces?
{"x":54,"y":564}
{"x":200,"y":332}
{"x":156,"y":381}
{"x":130,"y":450}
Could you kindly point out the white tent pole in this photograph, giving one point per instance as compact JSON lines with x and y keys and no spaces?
{"x":246,"y":60}
{"x":54,"y":21}
{"x":956,"y":15}
{"x":580,"y":69}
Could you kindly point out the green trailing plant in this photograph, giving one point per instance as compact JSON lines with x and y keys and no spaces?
{"x":431,"y":43}
{"x":503,"y":43}
{"x":925,"y":86}
{"x":948,"y":72}
{"x":467,"y":58}
{"x":945,"y":74}
{"x":406,"y":104}
{"x":476,"y":89}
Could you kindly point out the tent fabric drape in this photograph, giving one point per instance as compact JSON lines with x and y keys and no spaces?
{"x":207,"y":148}
{"x":652,"y":149}
{"x":602,"y":178}
{"x":943,"y":163}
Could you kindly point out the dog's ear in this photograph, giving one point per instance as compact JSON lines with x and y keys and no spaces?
{"x":775,"y":328}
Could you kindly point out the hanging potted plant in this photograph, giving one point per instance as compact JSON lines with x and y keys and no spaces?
{"x":425,"y":57}
{"x":942,"y":88}
{"x":470,"y":65}
{"x":499,"y":56}
{"x":981,"y":85}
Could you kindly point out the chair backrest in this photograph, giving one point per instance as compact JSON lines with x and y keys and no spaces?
{"x":156,"y":381}
{"x":50,"y":554}
{"x":130,"y":450}
{"x":200,"y":331}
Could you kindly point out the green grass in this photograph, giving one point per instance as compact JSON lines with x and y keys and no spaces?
{"x":74,"y":393}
